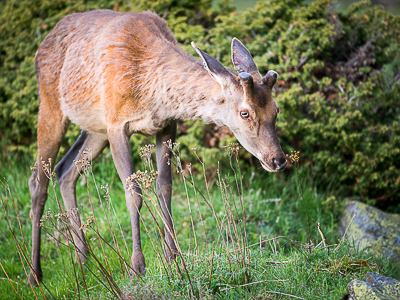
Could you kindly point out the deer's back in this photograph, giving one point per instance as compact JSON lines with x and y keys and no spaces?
{"x":94,"y":60}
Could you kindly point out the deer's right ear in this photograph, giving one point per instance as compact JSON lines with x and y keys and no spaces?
{"x":217,"y":71}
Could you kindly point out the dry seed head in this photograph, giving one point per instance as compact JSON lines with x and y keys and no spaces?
{"x":294,"y":157}
{"x":168,"y":144}
{"x":33,"y":167}
{"x":46,"y":167}
{"x":232,"y":149}
{"x":143,"y":178}
{"x":145,"y":152}
{"x":89,"y":221}
{"x":106,"y":190}
{"x":85,"y":161}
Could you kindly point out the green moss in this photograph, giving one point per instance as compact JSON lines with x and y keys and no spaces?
{"x":367,"y":291}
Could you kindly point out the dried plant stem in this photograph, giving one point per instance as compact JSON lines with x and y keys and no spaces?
{"x":95,"y":223}
{"x":155,"y":248}
{"x":170,"y":231}
{"x":10,"y":281}
{"x":345,"y":232}
{"x":212,"y":265}
{"x":102,"y":283}
{"x":76,"y":278}
{"x":108,"y":222}
{"x":241,"y":196}
{"x":119,"y":225}
{"x":83,"y":275}
{"x":208,"y":202}
{"x":101,"y":268}
{"x":223,"y":196}
{"x":7,"y":187}
{"x":198,"y":206}
{"x":162,"y":236}
{"x":21,"y":253}
{"x":104,"y":271}
{"x":304,"y":203}
{"x":239,"y":239}
{"x":169,"y":227}
{"x":241,"y":247}
{"x":190,"y":209}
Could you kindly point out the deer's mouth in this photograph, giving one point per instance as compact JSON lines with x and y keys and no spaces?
{"x":266,"y":167}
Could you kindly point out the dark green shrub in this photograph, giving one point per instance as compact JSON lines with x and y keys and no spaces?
{"x":339,"y":87}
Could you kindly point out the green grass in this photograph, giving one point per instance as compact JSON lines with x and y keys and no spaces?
{"x":273,"y":208}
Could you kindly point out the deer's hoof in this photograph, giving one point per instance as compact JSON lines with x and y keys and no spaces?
{"x":171,"y":255}
{"x":138,"y":264}
{"x":33,"y":280}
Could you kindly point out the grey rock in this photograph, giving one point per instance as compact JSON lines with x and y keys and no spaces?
{"x":372,"y":229}
{"x":376,"y":287}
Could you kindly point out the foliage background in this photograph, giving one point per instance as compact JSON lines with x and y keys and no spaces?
{"x":339,"y":85}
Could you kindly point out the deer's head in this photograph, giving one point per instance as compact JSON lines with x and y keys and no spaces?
{"x":251,"y":111}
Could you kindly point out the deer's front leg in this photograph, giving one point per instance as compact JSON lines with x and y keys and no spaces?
{"x":121,"y":152}
{"x":164,"y":183}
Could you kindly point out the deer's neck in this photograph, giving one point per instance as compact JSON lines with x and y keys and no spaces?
{"x":185,"y":90}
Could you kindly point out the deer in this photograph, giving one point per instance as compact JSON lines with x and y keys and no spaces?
{"x":117,"y":74}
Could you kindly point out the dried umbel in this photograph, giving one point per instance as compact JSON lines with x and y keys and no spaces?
{"x":34,"y":167}
{"x":232,"y":149}
{"x":106,"y":189}
{"x":293,"y":157}
{"x":85,"y":161}
{"x":64,"y":217}
{"x":145,"y":152}
{"x":46,"y":167}
{"x":171,"y":145}
{"x":145,"y":179}
{"x":88,"y":222}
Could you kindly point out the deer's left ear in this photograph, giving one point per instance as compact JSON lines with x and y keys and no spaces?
{"x":217,"y":71}
{"x":242,"y":60}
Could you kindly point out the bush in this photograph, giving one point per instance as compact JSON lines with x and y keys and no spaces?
{"x":339,"y":85}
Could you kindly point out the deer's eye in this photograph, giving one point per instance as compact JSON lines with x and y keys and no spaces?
{"x":244,"y":114}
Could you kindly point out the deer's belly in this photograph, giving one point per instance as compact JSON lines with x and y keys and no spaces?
{"x":89,"y":115}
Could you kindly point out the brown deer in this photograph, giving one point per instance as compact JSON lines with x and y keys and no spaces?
{"x":116,"y":74}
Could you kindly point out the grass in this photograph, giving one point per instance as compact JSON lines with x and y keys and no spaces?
{"x":263,"y":253}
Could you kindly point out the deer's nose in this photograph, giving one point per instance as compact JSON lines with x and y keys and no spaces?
{"x":280,"y":163}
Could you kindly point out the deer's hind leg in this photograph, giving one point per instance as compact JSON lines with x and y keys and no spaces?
{"x":87,"y":147}
{"x":164,"y":184}
{"x":52,"y":125}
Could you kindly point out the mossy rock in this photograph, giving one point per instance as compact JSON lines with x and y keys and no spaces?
{"x":376,"y":287}
{"x":372,"y":229}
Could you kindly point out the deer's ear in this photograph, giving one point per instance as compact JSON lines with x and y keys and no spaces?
{"x":217,"y":71}
{"x":242,"y":60}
